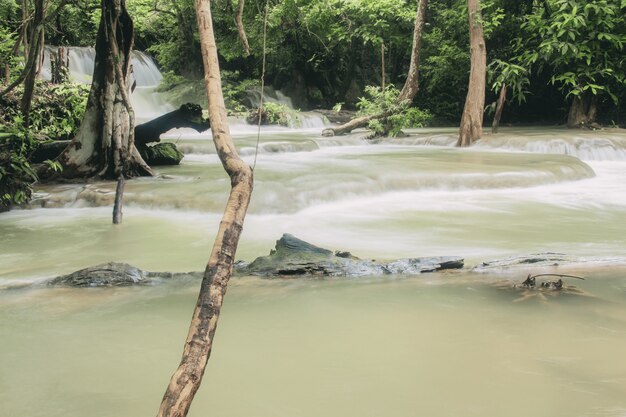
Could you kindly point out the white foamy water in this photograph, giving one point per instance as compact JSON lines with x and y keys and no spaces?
{"x":436,"y":345}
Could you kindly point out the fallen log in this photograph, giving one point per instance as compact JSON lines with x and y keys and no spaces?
{"x":353,"y":124}
{"x":188,"y":115}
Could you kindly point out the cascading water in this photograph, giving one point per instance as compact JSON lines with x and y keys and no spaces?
{"x":434,"y":345}
{"x":145,"y":100}
{"x":297,"y":119}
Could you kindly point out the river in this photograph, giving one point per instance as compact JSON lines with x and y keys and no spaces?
{"x":434,"y":345}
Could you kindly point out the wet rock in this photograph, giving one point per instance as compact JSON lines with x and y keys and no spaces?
{"x":161,"y":154}
{"x":293,"y":256}
{"x":112,"y":274}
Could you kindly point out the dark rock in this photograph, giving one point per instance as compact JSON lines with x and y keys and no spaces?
{"x":293,"y":256}
{"x":112,"y":274}
{"x":161,"y":154}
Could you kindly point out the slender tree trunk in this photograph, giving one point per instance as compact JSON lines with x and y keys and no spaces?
{"x":411,"y":85}
{"x":104,"y":145}
{"x":240,"y":28}
{"x":36,"y":35}
{"x":59,"y":65}
{"x":472,"y":120}
{"x":187,"y":378}
{"x":499,"y":107}
{"x":25,"y":26}
{"x":382,"y":66}
{"x":119,"y":200}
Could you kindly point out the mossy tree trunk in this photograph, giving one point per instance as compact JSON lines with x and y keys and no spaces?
{"x":472,"y":120}
{"x":187,"y":378}
{"x":583,"y":111}
{"x":104,"y":145}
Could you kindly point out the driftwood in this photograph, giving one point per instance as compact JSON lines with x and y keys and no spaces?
{"x":188,"y":115}
{"x":353,"y":124}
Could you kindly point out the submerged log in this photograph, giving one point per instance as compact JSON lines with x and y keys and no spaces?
{"x":188,"y":115}
{"x":291,"y":257}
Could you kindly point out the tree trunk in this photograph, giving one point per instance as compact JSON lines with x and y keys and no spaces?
{"x":583,"y":111}
{"x":59,"y":65}
{"x":187,"y":378}
{"x":25,"y":26}
{"x":187,"y":115}
{"x":411,"y":85}
{"x":104,"y":145}
{"x":472,"y":120}
{"x":32,"y":65}
{"x":499,"y":107}
{"x":240,"y":28}
{"x":117,"y":205}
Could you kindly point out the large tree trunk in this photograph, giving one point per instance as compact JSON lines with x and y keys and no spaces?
{"x":103,"y":146}
{"x":187,"y":378}
{"x":582,"y":111}
{"x":499,"y":107}
{"x":472,"y":120}
{"x":411,"y":85}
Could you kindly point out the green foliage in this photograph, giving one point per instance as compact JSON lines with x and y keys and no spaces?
{"x":235,"y":90}
{"x":273,"y":114}
{"x":16,"y":174}
{"x":7,"y":40}
{"x":514,"y":76}
{"x":58,"y":109}
{"x":400,"y":115}
{"x":580,"y":43}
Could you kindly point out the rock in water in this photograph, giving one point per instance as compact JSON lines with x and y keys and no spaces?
{"x":293,"y":256}
{"x":111,"y":274}
{"x":161,"y":154}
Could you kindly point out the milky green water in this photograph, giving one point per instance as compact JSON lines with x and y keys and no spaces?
{"x":434,"y":345}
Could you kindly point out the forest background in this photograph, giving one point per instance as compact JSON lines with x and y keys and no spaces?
{"x":550,"y":54}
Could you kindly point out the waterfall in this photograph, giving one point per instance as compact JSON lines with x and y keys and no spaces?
{"x":147,"y":103}
{"x":297,"y":119}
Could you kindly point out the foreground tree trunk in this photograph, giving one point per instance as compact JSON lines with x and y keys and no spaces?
{"x":104,"y":145}
{"x":583,"y":111}
{"x":499,"y":107}
{"x":187,"y":378}
{"x":472,"y":120}
{"x":411,"y":85}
